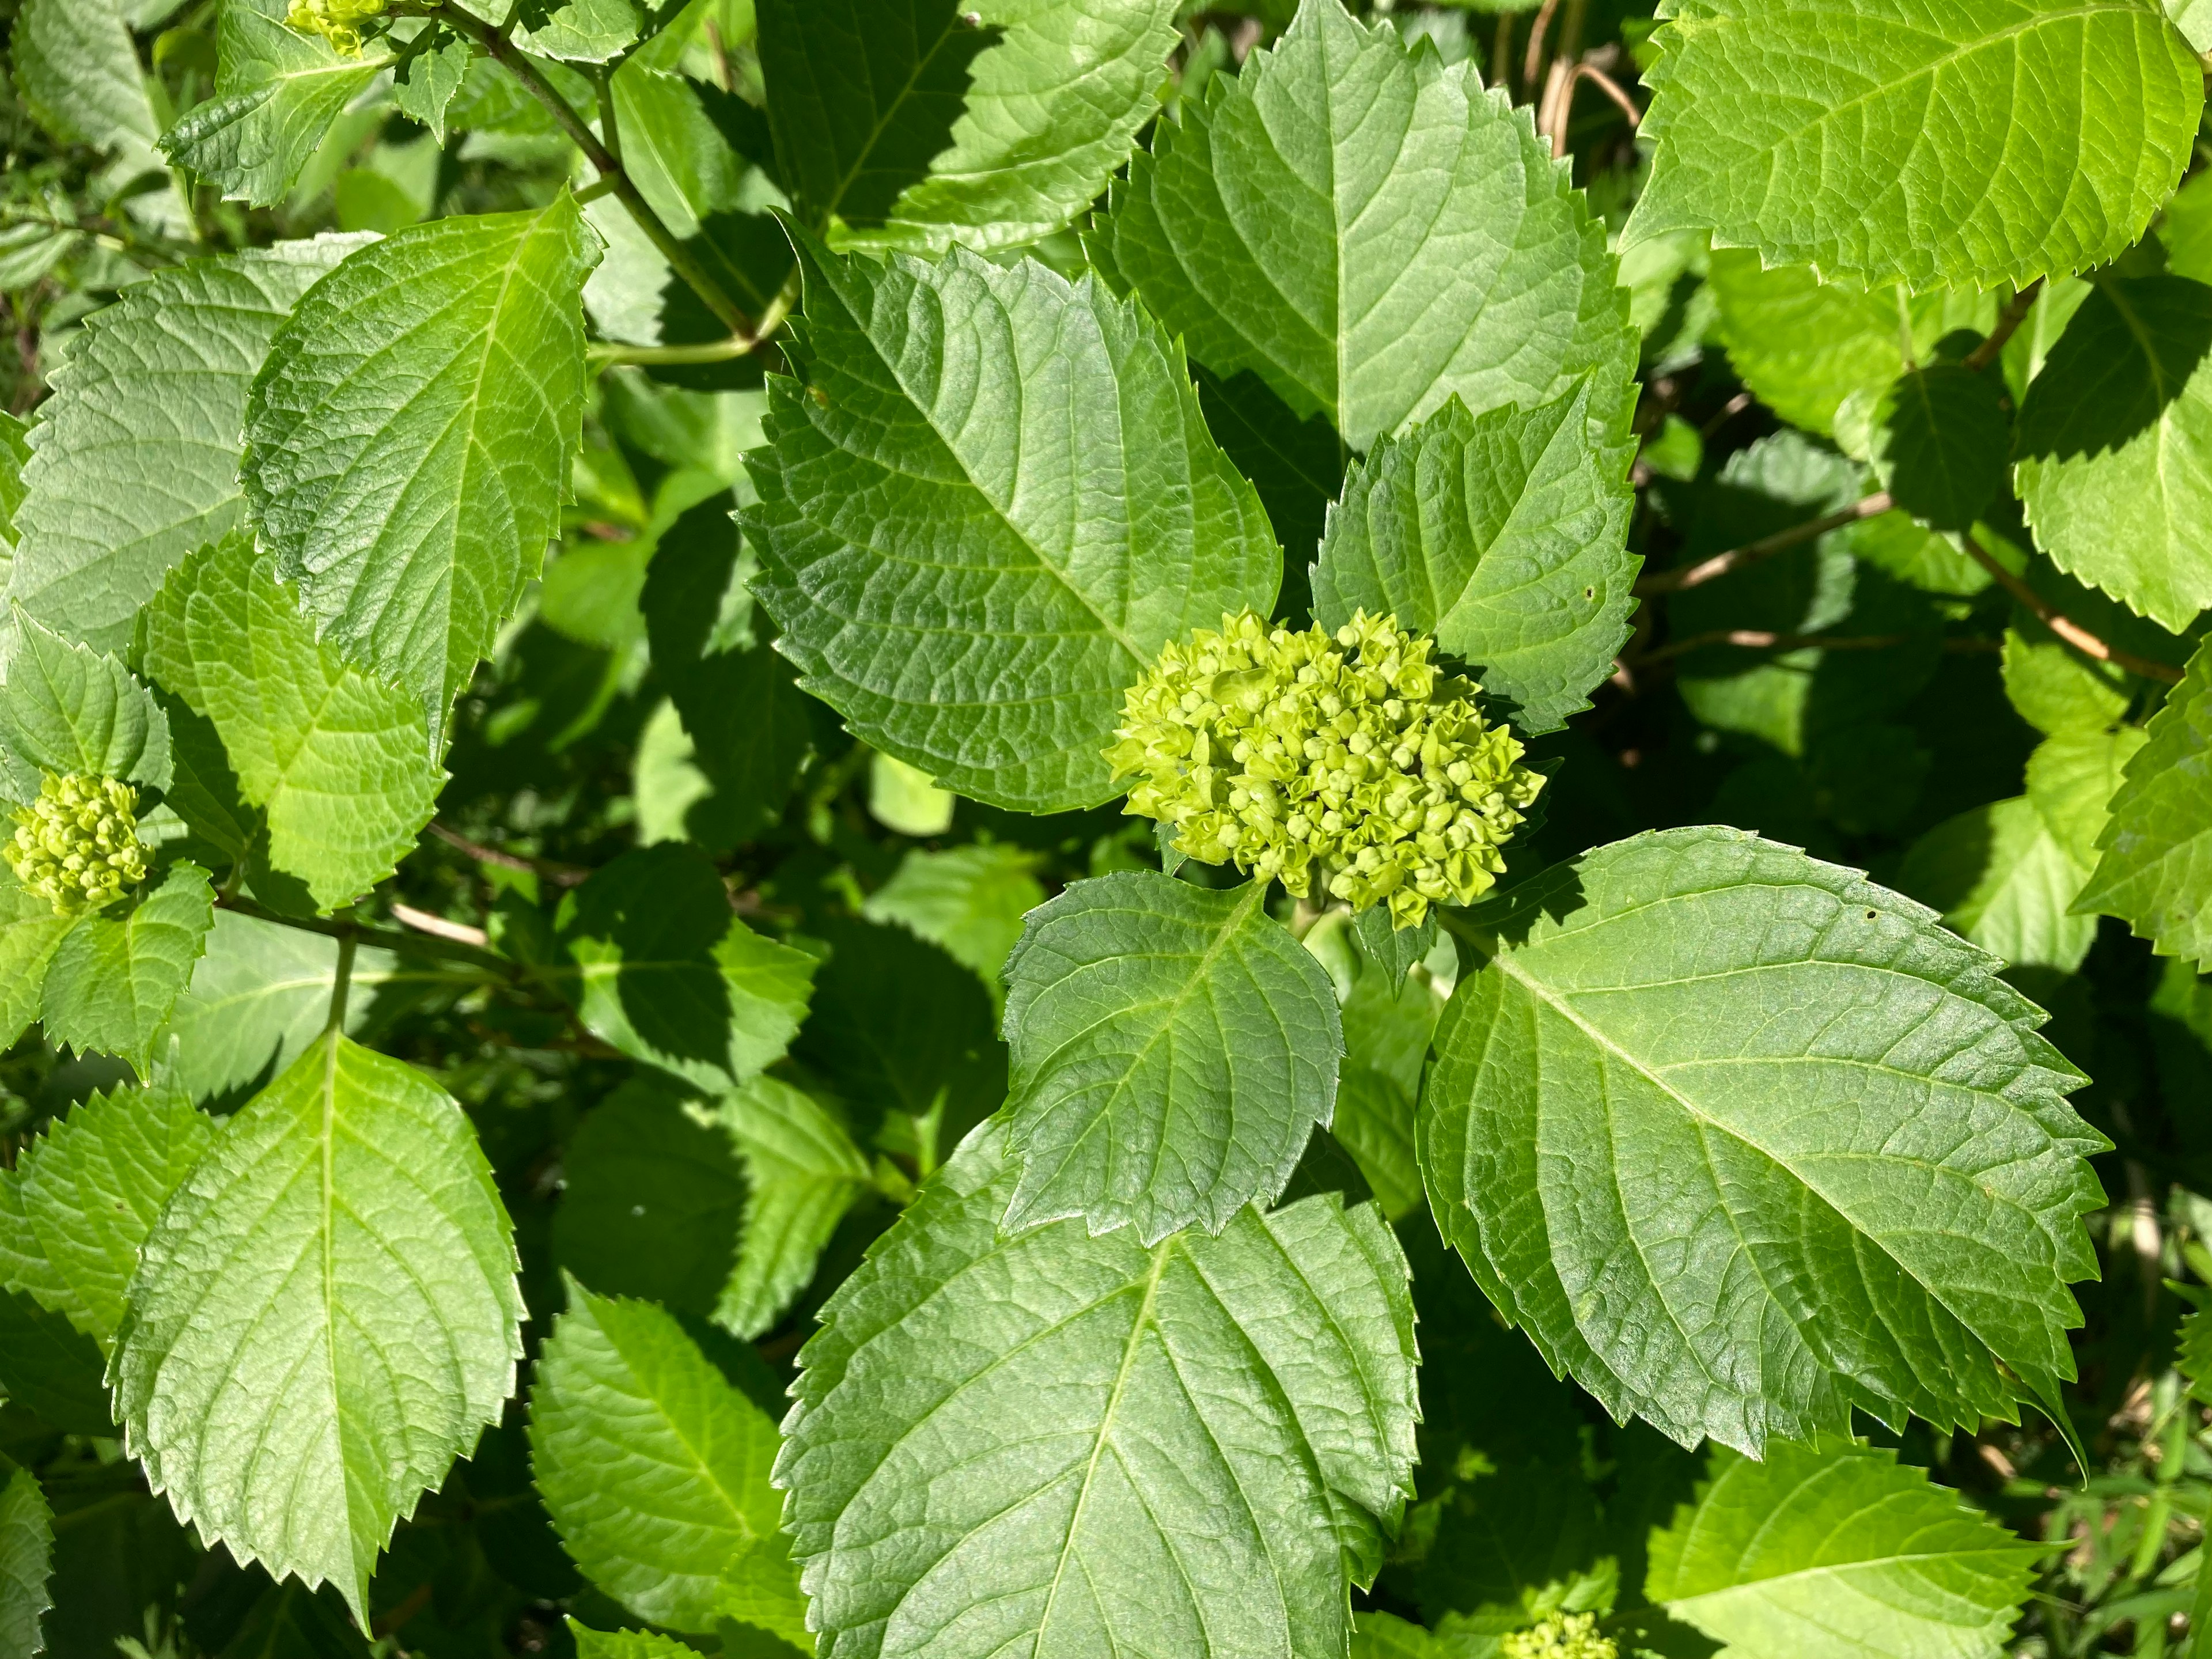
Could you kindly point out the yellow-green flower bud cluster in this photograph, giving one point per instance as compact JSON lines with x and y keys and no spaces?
{"x":1349,"y":765}
{"x":1562,"y":1636}
{"x":77,"y":846}
{"x":335,"y":21}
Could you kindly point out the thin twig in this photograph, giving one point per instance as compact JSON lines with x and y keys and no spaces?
{"x":1533,"y":64}
{"x":1759,"y":639}
{"x":2008,"y":321}
{"x":504,"y":52}
{"x":564,"y":875}
{"x":1673,"y":581}
{"x":1587,"y":72}
{"x":2064,"y":626}
{"x":713,"y":351}
{"x":422,"y":921}
{"x":1728,"y":410}
{"x":342,"y":981}
{"x":384,"y":938}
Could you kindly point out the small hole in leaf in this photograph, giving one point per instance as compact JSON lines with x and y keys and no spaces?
{"x":1589,"y":593}
{"x":1871,"y":915}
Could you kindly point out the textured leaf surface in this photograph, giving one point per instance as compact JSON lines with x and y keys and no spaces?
{"x":2115,"y":445}
{"x":1173,"y":1049}
{"x":30,"y":932}
{"x":990,"y":505}
{"x":113,"y":979}
{"x":1079,"y":1446}
{"x":1370,"y":231}
{"x":407,"y":441}
{"x":91,"y":1185}
{"x":804,"y":1173}
{"x":1802,"y":345}
{"x":339,"y":762}
{"x":136,"y":461}
{"x":1839,"y":1552}
{"x":323,"y":1316}
{"x":78,"y":71}
{"x":1967,"y":141}
{"x":1503,"y":535}
{"x":1940,"y":443}
{"x":2155,"y":871}
{"x":655,"y":1469}
{"x":2002,"y":880}
{"x":276,"y":92}
{"x":670,"y":977}
{"x":924,"y":122}
{"x":66,"y":707}
{"x":27,"y":1558}
{"x":261,"y":994}
{"x":1685,"y":1218}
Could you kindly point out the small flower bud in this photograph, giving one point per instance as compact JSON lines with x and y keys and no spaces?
{"x":335,"y":21}
{"x":77,"y":847}
{"x":1561,"y":1636}
{"x":1336,"y":762}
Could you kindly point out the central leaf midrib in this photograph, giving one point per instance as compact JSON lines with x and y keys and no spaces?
{"x":1506,"y":962}
{"x":1000,"y":511}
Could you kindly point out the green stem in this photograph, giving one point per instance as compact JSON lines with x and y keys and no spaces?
{"x":342,"y":981}
{"x":384,"y":938}
{"x":504,"y":52}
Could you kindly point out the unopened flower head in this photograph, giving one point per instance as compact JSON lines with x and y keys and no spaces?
{"x":335,"y":21}
{"x":1562,"y":1636}
{"x":77,"y":846}
{"x":1349,"y":764}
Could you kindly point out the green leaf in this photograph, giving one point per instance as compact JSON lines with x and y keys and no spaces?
{"x":91,"y":1185}
{"x":78,"y":71}
{"x":1370,"y":233}
{"x":578,"y":31}
{"x":295,"y":1415}
{"x":2115,"y":445}
{"x":1802,"y":345}
{"x":2155,"y":871}
{"x":276,"y":91}
{"x":651,"y":1198}
{"x":112,"y":981}
{"x":1084,"y":1445}
{"x":670,"y":977}
{"x":261,"y":994}
{"x":136,"y":459}
{"x":14,"y":456}
{"x":2002,"y":880}
{"x":1839,"y":1552}
{"x":751,"y":730}
{"x":50,"y":1368}
{"x":27,"y":1560}
{"x":30,"y":932}
{"x":2055,"y":688}
{"x":970,"y":901}
{"x":68,"y":709}
{"x":408,"y":440}
{"x":1967,"y":141}
{"x":626,"y":1643}
{"x":655,"y":1470}
{"x":1173,"y":1049}
{"x":906,"y":1039}
{"x":991,"y":504}
{"x":1939,"y":441}
{"x":921,"y":123}
{"x":1503,"y":535}
{"x":2072,"y":779}
{"x":1682,"y":1217}
{"x":340,"y":763}
{"x":423,"y":83}
{"x":804,"y":1173}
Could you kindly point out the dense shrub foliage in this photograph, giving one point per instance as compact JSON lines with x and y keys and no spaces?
{"x":1097,"y":827}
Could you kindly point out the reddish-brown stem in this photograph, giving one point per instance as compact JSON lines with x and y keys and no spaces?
{"x":1673,"y":581}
